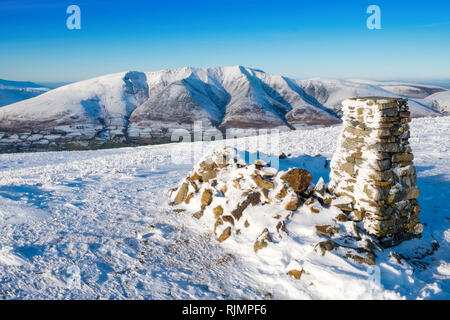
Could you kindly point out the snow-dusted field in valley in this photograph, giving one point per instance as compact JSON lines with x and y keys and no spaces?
{"x":98,"y":224}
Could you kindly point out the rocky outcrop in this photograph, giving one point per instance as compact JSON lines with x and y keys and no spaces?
{"x":253,"y":204}
{"x":229,"y":192}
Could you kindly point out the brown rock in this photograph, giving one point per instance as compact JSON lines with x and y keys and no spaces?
{"x":222,"y":161}
{"x":198,"y":214}
{"x":262,"y":240}
{"x":417,"y":210}
{"x":297,"y":274}
{"x":385,"y":147}
{"x":225,"y":234}
{"x":216,"y":224}
{"x":195,"y":186}
{"x":265,"y":193}
{"x":341,"y":217}
{"x":218,"y":211}
{"x":206,"y":198}
{"x":178,"y":210}
{"x":281,"y":226}
{"x":402,"y":157}
{"x":381,"y":175}
{"x":348,"y":168}
{"x":207,"y":170}
{"x":182,"y":193}
{"x":246,"y":224}
{"x":309,"y":201}
{"x":261,"y":163}
{"x":327,"y":230}
{"x":405,"y":114}
{"x":228,"y":219}
{"x":366,"y":258}
{"x":188,"y":198}
{"x":327,"y":245}
{"x":347,"y":207}
{"x":381,"y":165}
{"x":263,"y":183}
{"x":293,"y":204}
{"x":298,"y":179}
{"x":407,"y":194}
{"x":357,"y":132}
{"x":282,"y":193}
{"x":195,"y":177}
{"x":315,"y":210}
{"x":383,"y":184}
{"x":253,"y":198}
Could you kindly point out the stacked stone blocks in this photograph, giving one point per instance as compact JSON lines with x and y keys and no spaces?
{"x":373,"y":168}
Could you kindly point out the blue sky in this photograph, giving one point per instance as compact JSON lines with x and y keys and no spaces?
{"x":297,"y":38}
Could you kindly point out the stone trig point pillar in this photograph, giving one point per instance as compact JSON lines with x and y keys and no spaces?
{"x":372,"y":170}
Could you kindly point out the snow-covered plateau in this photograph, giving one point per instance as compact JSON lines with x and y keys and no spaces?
{"x":100,"y":225}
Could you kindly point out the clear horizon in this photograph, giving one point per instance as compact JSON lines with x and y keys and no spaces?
{"x":298,"y":39}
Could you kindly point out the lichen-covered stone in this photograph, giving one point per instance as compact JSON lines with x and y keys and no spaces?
{"x":218,"y":211}
{"x":225,"y":234}
{"x":298,"y":179}
{"x":206,"y":198}
{"x":182,"y":193}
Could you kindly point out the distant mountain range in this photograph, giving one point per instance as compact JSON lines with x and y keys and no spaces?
{"x":15,"y":91}
{"x":134,"y":108}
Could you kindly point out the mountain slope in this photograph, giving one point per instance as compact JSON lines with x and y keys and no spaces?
{"x":415,"y":91}
{"x":331,"y":93}
{"x":439,"y":101}
{"x":145,"y":108}
{"x":88,"y":109}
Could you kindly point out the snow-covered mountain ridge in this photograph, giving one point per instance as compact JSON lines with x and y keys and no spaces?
{"x":135,"y":108}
